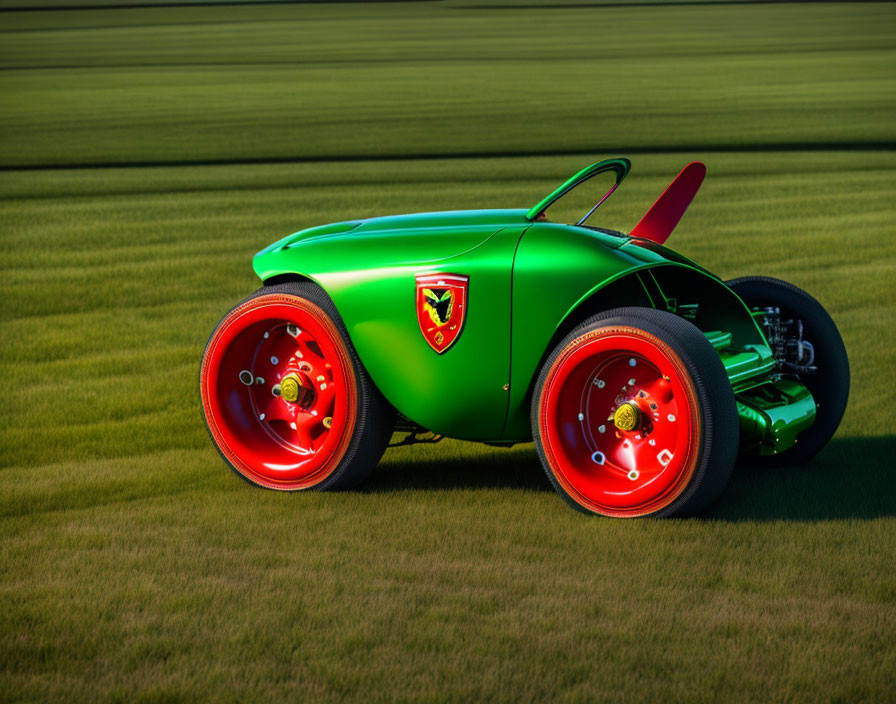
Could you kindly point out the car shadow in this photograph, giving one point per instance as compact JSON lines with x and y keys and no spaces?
{"x":852,"y":478}
{"x":496,"y":468}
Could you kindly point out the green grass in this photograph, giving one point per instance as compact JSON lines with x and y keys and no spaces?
{"x":135,"y":567}
{"x":278,"y":82}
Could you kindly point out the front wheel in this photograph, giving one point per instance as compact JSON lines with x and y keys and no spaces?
{"x":286,"y":400}
{"x":633,"y":415}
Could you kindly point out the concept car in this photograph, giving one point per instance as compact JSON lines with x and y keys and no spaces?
{"x":640,"y":376}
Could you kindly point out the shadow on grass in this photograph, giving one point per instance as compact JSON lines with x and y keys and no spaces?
{"x":851,"y":478}
{"x":494,"y":469}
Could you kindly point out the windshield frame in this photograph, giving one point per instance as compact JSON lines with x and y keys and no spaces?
{"x":620,"y":166}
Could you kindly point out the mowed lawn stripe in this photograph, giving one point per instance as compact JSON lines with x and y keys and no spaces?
{"x":111,"y":299}
{"x":367,"y":599}
{"x":134,"y":566}
{"x":319,"y":81}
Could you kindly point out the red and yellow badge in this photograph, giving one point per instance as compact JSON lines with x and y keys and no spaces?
{"x":441,"y":308}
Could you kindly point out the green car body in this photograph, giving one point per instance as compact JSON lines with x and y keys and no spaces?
{"x":530,"y":281}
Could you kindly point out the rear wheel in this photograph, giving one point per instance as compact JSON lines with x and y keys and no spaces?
{"x":794,"y":319}
{"x":285,"y":398}
{"x":633,"y":415}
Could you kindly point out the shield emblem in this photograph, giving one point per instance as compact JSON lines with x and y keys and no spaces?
{"x":441,"y":308}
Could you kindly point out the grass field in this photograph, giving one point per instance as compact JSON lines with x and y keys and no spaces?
{"x":147,"y":153}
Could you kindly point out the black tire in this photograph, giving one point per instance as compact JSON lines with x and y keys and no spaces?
{"x":717,"y":435}
{"x":829,"y":386}
{"x":374,"y":416}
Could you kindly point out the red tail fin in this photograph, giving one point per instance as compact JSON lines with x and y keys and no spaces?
{"x":658,"y":223}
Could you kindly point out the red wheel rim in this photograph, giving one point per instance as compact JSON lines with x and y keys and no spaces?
{"x":272,"y":441}
{"x":607,"y":469}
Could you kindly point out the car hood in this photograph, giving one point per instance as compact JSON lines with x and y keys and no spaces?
{"x":422,"y":224}
{"x":419,"y":238}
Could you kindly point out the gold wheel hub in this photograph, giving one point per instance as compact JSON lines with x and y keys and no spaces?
{"x":627,"y":416}
{"x":294,"y":390}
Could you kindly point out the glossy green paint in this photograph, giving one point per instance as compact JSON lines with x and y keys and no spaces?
{"x":618,"y":166}
{"x":369,"y":267}
{"x":529,"y":284}
{"x":559,"y":269}
{"x":369,"y":271}
{"x":772,"y":415}
{"x":393,"y":239}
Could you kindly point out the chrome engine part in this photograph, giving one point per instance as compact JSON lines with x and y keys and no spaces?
{"x":793,"y":354}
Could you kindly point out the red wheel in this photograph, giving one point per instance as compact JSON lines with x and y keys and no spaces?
{"x":621,"y":416}
{"x":281,"y":392}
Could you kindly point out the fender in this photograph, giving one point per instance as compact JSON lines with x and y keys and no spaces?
{"x":461,"y":392}
{"x":564,"y":274}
